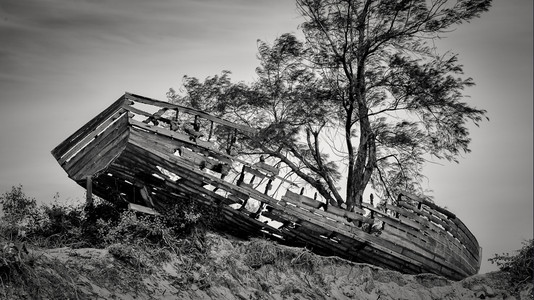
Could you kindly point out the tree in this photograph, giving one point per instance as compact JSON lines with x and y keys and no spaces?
{"x":366,"y":90}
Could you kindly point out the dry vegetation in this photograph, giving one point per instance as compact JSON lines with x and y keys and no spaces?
{"x":75,"y":252}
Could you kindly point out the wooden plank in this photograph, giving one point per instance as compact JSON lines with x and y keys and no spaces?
{"x":109,"y":135}
{"x":362,"y":255}
{"x":192,"y":111}
{"x":278,"y":216}
{"x":389,"y":221}
{"x":441,"y":241}
{"x":99,"y":159}
{"x":303,"y":232}
{"x":151,"y":162}
{"x":236,"y":199}
{"x":267,"y":168}
{"x":143,"y":209}
{"x":417,"y":218}
{"x":467,"y":233}
{"x":73,"y":139}
{"x":240,"y":224}
{"x":358,"y":235}
{"x":90,"y":136}
{"x":246,"y":163}
{"x":439,"y":235}
{"x":467,"y":241}
{"x":449,"y":227}
{"x":344,"y":229}
{"x":404,"y":221}
{"x":199,"y":193}
{"x":169,"y":145}
{"x":147,"y":166}
{"x":442,"y":255}
{"x":143,"y":143}
{"x":356,"y":215}
{"x":193,"y":157}
{"x":256,"y":224}
{"x":180,"y":167}
{"x":429,"y":216}
{"x":134,"y":110}
{"x":349,"y":249}
{"x":153,"y":141}
{"x":319,"y":213}
{"x":429,"y":204}
{"x":301,"y":199}
{"x":254,"y":172}
{"x":89,"y":193}
{"x":411,"y":244}
{"x":313,"y":229}
{"x":173,"y":134}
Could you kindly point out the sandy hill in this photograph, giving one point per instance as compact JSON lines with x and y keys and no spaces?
{"x":223,"y":267}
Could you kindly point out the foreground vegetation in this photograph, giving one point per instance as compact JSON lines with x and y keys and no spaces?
{"x":140,"y":240}
{"x":64,"y":251}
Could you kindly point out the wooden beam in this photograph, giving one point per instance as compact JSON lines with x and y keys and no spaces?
{"x":192,"y":111}
{"x":73,"y":139}
{"x":143,"y":209}
{"x":89,"y":192}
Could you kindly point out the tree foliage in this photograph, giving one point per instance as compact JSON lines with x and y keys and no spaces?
{"x":519,"y":266}
{"x":365,"y":97}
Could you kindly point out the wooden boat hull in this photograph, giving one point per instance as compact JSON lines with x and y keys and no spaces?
{"x":124,"y":159}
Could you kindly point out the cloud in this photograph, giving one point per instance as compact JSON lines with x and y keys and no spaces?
{"x":37,"y":32}
{"x":138,"y":21}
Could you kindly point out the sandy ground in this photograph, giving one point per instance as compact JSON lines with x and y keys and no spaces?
{"x":235,"y":269}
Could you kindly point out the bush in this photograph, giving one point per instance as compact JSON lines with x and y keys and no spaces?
{"x":102,"y":224}
{"x":519,"y":266}
{"x":260,"y":252}
{"x":20,"y":213}
{"x":161,"y":232}
{"x":55,"y":225}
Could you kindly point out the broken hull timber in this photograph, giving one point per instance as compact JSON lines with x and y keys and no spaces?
{"x":150,"y":154}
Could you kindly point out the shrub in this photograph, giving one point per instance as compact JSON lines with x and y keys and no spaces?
{"x":20,"y":212}
{"x":102,"y":224}
{"x":58,"y":226}
{"x":55,"y":225}
{"x":260,"y":252}
{"x":128,"y":254}
{"x":161,"y":231}
{"x":133,"y":228}
{"x":519,"y":266}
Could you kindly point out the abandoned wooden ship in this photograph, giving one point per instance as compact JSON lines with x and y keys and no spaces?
{"x":152,"y":153}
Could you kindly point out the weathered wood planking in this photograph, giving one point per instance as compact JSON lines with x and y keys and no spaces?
{"x":435,"y":232}
{"x":137,"y":159}
{"x":361,"y":253}
{"x":464,"y":231}
{"x":89,"y":137}
{"x":96,"y":157}
{"x":444,"y":244}
{"x":199,"y":144}
{"x":95,"y":143}
{"x":252,"y":192}
{"x":72,"y":140}
{"x":192,"y":111}
{"x":174,"y":135}
{"x":357,"y":234}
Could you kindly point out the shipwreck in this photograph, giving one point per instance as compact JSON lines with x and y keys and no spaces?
{"x":151,"y":153}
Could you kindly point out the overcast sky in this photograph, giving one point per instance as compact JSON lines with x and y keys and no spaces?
{"x":63,"y":61}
